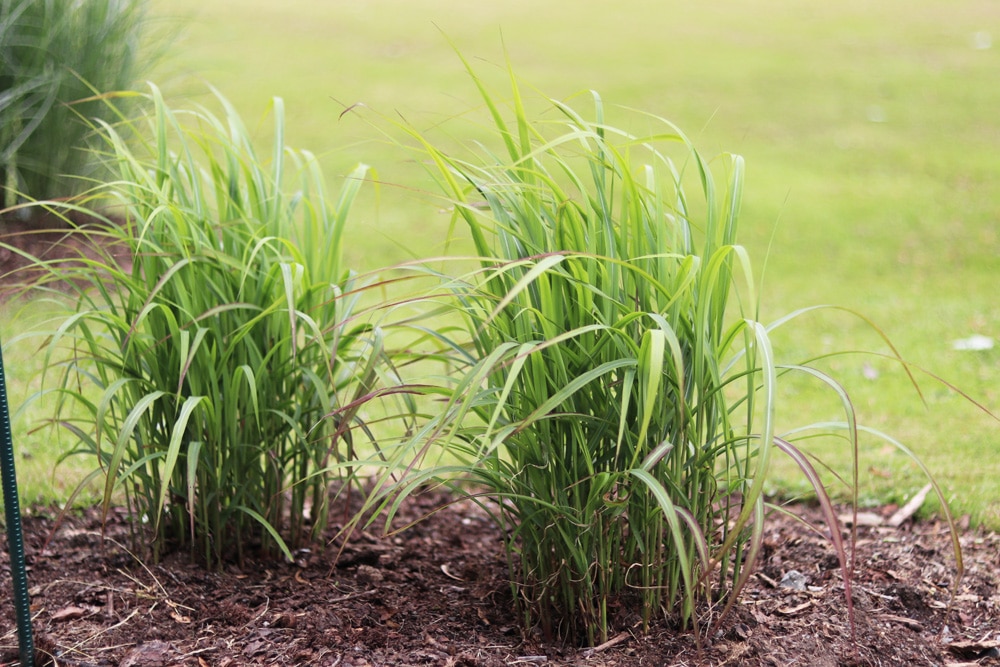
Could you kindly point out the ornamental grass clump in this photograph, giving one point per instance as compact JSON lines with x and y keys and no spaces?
{"x":616,"y":413}
{"x":217,"y":370}
{"x":603,"y":419}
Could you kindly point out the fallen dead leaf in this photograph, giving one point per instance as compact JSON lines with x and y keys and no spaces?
{"x":790,"y":611}
{"x":69,"y":613}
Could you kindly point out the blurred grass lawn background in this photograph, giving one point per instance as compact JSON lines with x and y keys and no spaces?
{"x":871,"y":133}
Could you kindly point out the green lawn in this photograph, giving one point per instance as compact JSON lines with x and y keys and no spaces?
{"x":870,"y":132}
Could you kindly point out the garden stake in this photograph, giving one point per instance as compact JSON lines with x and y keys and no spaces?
{"x":15,"y":539}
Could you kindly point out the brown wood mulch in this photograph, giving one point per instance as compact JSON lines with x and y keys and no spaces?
{"x":437,"y":594}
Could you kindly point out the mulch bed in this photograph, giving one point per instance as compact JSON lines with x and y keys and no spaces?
{"x":437,"y":594}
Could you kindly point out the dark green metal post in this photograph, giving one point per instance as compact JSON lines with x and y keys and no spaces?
{"x":15,"y":538}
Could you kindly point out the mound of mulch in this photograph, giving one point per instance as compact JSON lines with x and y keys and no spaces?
{"x":437,"y":594}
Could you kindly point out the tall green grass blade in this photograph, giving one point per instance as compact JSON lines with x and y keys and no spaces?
{"x":119,"y":454}
{"x":178,"y":430}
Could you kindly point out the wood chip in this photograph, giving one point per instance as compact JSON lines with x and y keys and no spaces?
{"x":766,"y":579}
{"x":180,"y":618}
{"x":447,"y":573}
{"x":864,"y":519}
{"x":790,"y":611}
{"x":910,"y":623}
{"x":968,"y":649}
{"x":617,"y":639}
{"x":150,"y":654}
{"x":910,"y":508}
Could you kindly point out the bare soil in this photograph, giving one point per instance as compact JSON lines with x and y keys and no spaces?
{"x":438,"y":594}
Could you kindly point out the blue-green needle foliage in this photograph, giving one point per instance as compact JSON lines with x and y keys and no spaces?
{"x":218,"y":370}
{"x":618,"y":401}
